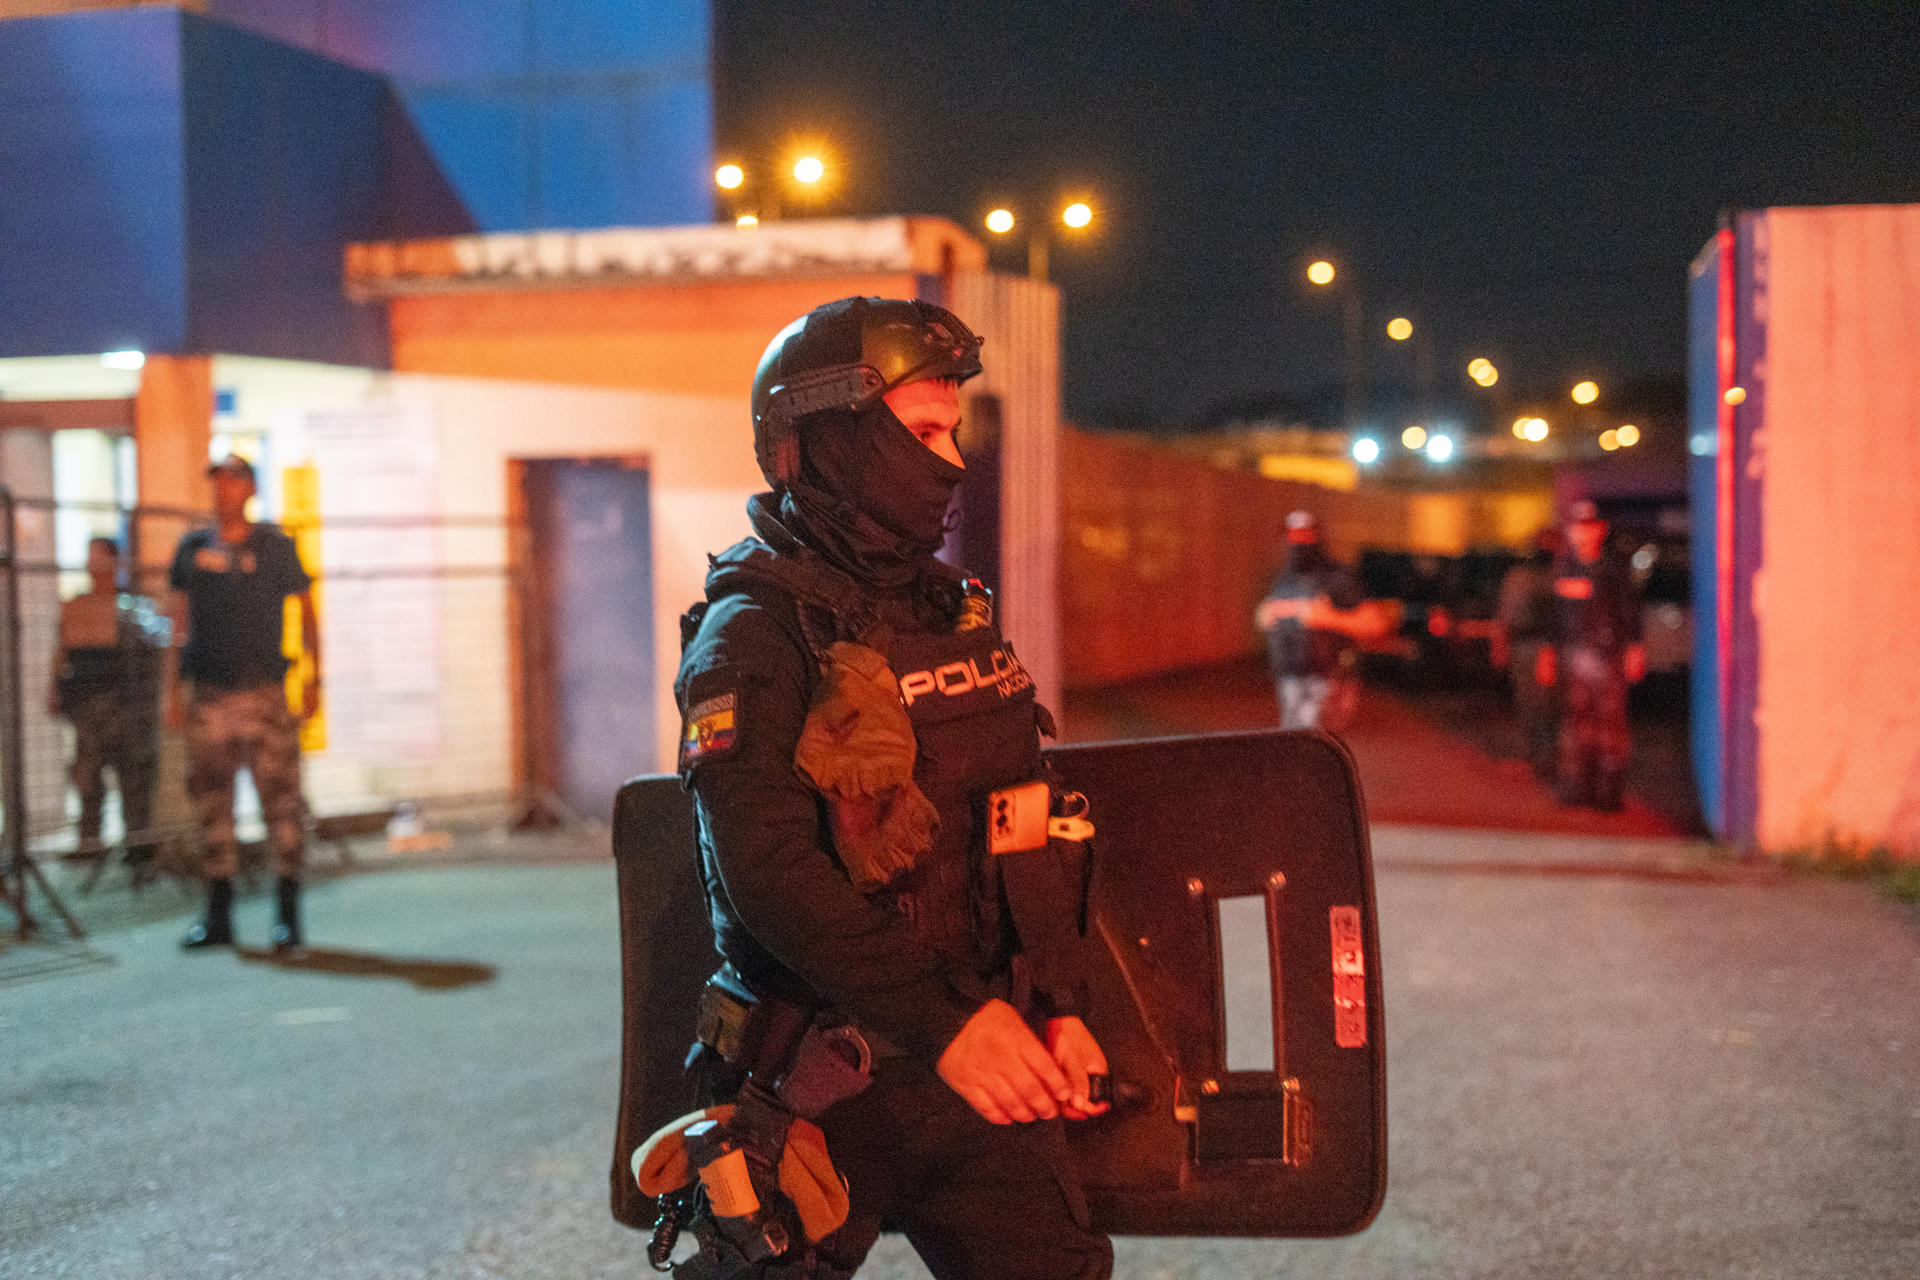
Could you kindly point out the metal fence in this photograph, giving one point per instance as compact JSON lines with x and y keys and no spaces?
{"x":430,"y":679}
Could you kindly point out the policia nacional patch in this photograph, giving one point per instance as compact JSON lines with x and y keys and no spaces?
{"x":708,"y":730}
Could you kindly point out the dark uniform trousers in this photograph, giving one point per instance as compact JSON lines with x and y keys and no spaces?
{"x":976,"y":1200}
{"x":108,"y":731}
{"x":1533,"y":704}
{"x":1594,"y":739}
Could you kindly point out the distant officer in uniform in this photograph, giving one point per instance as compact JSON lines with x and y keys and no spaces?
{"x":107,"y":673}
{"x":231,"y":581}
{"x":859,"y":738}
{"x":1314,"y":617}
{"x":1525,"y":616}
{"x":1593,"y":655}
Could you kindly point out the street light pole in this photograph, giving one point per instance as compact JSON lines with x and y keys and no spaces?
{"x":1422,"y":372}
{"x":1321,"y":274}
{"x":1356,"y":339}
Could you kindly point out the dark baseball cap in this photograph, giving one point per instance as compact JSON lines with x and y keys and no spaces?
{"x":234,"y":465}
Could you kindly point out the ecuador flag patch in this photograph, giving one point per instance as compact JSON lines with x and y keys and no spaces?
{"x":708,"y":732}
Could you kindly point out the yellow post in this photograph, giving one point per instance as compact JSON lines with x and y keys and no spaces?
{"x":300,"y":516}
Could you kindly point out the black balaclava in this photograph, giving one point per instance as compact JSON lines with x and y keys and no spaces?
{"x":870,"y":497}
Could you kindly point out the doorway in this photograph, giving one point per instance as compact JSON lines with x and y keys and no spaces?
{"x":586,"y":628}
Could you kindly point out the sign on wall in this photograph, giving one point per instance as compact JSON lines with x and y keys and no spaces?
{"x":381,"y":553}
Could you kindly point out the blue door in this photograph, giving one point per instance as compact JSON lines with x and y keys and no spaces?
{"x":591,"y":633}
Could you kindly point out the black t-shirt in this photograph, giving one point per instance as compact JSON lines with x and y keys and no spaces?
{"x":236,"y":597}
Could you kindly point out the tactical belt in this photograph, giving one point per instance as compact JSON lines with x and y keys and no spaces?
{"x":809,"y":1061}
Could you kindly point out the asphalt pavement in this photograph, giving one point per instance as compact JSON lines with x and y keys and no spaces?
{"x":1607,"y":1057}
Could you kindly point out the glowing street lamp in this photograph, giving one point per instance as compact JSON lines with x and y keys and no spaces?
{"x":1414,"y":437}
{"x":1077,"y":216}
{"x":757,"y":194}
{"x":1439,"y":447}
{"x":1536,"y":430}
{"x":1483,"y":372}
{"x":1585,"y":392}
{"x":1321,"y":273}
{"x":1399,"y":328}
{"x":1366,"y":451}
{"x":1628,"y":435}
{"x":1610,"y":440}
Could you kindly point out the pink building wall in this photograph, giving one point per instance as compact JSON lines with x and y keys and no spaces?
{"x":1836,"y":593}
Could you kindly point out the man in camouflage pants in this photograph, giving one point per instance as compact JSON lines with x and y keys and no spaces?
{"x":107,"y":664}
{"x":1593,"y":653}
{"x":233,"y":578}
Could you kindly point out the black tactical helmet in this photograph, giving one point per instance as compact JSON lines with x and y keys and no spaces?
{"x":846,"y":355}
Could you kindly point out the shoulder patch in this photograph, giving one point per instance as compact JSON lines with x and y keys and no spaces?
{"x":708,"y":729}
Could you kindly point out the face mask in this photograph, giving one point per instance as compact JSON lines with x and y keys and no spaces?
{"x":875,"y":465}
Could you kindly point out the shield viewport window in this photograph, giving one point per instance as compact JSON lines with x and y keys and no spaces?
{"x":1246,"y":983}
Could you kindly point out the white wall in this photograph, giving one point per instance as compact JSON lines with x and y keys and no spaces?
{"x":700,"y":460}
{"x":700,"y":465}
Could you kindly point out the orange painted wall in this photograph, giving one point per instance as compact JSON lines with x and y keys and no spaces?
{"x":1163,"y":555}
{"x":690,"y":339}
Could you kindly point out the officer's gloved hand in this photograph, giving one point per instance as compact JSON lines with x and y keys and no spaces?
{"x":1003,"y":1071}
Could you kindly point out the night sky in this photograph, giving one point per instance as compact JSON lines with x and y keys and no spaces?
{"x":1529,"y":182}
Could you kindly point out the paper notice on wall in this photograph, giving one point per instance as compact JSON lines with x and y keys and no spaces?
{"x":380,"y":547}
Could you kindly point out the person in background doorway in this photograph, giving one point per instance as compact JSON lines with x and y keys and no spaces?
{"x":231,"y":580}
{"x":107,"y":668}
{"x":1594,"y":653}
{"x":1315,"y":617}
{"x":1524,"y":619}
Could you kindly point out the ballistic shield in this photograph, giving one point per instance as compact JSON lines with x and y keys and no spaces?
{"x":1235,"y":984}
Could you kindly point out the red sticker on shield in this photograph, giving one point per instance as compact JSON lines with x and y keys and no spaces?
{"x":1349,"y":979}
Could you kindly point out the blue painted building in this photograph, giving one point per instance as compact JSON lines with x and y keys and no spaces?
{"x":540,"y":113}
{"x":175,"y":181}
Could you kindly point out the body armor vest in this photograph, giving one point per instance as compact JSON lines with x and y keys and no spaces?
{"x":977,"y":727}
{"x":971,"y":704}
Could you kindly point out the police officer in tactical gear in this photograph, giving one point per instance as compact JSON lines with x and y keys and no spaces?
{"x":1593,"y":653}
{"x":863,"y":750}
